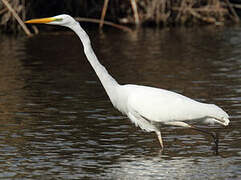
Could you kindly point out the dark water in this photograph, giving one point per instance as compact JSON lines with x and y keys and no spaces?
{"x":56,"y":121}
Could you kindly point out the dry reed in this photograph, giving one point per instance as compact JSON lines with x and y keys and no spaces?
{"x":164,"y":12}
{"x":12,"y":14}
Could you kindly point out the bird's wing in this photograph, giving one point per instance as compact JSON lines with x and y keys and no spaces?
{"x":160,"y":105}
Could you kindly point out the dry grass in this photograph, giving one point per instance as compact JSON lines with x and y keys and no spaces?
{"x":186,"y":11}
{"x":164,"y":12}
{"x":7,"y":19}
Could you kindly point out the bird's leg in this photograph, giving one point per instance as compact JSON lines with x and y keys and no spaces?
{"x":158,"y":133}
{"x":213,"y":135}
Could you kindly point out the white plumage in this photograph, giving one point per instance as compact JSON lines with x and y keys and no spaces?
{"x":159,"y":105}
{"x":145,"y":106}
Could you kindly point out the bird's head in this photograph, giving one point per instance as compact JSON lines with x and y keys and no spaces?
{"x":62,"y":20}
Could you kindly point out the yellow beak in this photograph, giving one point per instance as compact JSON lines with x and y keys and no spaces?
{"x":41,"y":20}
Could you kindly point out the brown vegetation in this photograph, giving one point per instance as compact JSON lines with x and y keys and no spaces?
{"x":186,"y":11}
{"x":11,"y":16}
{"x":159,"y":12}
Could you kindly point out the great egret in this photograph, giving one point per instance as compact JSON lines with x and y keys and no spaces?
{"x":147,"y":107}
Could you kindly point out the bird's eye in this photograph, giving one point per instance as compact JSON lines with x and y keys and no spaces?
{"x":59,"y":19}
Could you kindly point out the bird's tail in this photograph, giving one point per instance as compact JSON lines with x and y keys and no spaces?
{"x":223,"y":121}
{"x":217,"y":115}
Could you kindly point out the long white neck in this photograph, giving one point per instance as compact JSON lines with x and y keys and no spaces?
{"x":109,"y":83}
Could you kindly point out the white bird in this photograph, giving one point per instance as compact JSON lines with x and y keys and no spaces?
{"x":147,"y":107}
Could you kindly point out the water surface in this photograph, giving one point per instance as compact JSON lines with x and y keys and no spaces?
{"x":58,"y":123}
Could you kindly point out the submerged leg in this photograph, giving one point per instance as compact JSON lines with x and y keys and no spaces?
{"x":213,"y":135}
{"x":183,"y":124}
{"x":158,"y":133}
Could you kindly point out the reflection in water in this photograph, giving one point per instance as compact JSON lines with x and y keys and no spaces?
{"x":177,"y":168}
{"x":57,"y":122}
